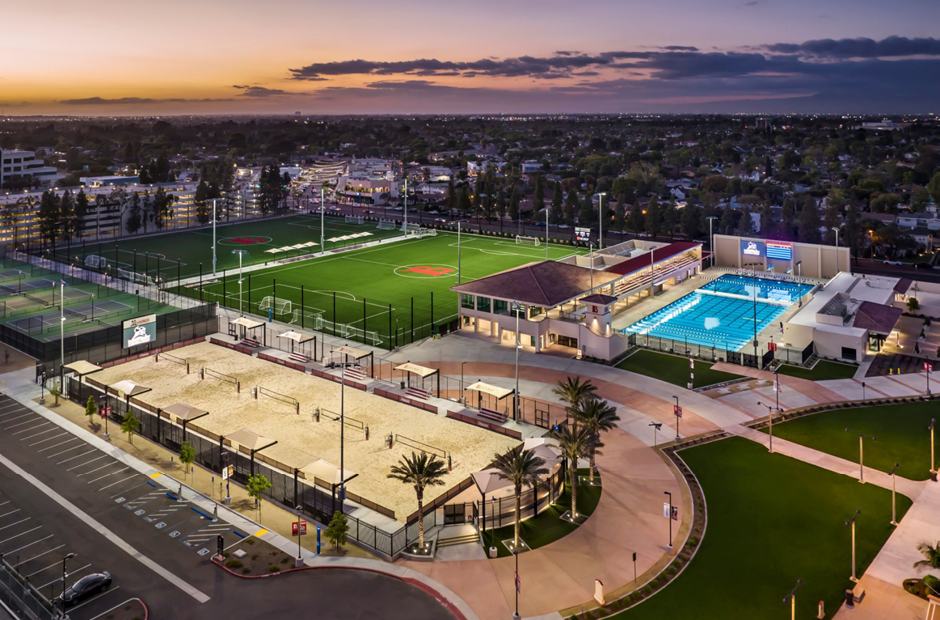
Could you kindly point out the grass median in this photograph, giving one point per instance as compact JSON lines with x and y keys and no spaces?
{"x":674,"y":369}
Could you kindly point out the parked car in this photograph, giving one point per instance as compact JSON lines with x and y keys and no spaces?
{"x":85,"y":587}
{"x":923,"y":265}
{"x":893,"y":262}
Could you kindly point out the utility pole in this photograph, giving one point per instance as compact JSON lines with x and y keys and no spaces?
{"x":213,"y":236}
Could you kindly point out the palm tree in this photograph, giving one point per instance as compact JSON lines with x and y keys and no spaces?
{"x":521,"y":468}
{"x":931,"y":555}
{"x":420,"y":471}
{"x":598,"y":417}
{"x":572,"y":392}
{"x":574,"y":443}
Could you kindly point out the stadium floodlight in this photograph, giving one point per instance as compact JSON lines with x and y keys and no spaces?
{"x":240,"y":253}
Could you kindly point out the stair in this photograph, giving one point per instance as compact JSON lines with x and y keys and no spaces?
{"x":457,"y":540}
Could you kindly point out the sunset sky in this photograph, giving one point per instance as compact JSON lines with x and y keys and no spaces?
{"x":490,"y":56}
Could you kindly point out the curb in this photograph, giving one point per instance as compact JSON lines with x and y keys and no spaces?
{"x":414,"y":582}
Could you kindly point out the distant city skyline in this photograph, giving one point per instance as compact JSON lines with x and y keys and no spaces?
{"x":364,"y":57}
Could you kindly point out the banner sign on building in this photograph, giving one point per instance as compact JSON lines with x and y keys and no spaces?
{"x":142,"y":330}
{"x":780,"y":251}
{"x":752,"y":248}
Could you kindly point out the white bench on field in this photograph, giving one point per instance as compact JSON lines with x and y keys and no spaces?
{"x":492,"y":415}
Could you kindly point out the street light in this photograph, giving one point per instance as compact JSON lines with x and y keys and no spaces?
{"x":462,"y":364}
{"x":657,"y":426}
{"x":678,"y":413}
{"x":770,"y":421}
{"x":799,"y":279}
{"x":670,"y":517}
{"x":241,"y":253}
{"x":893,"y":475}
{"x":861,"y":455}
{"x":711,"y":238}
{"x":851,"y":522}
{"x":791,"y":598}
{"x":65,"y":576}
{"x":300,"y":514}
{"x":600,"y":220}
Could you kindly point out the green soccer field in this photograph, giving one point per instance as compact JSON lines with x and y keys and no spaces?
{"x":387,"y":289}
{"x":182,"y":254}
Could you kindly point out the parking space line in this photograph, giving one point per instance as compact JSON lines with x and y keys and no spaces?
{"x":20,"y":534}
{"x":127,"y":489}
{"x":6,"y":428}
{"x":81,"y":445}
{"x":9,"y":403}
{"x":59,"y":578}
{"x":26,"y":546}
{"x":107,"y":611}
{"x":72,"y":458}
{"x":17,"y":523}
{"x":101,"y":529}
{"x":36,"y":557}
{"x":163,"y":512}
{"x":22,"y":415}
{"x":5,"y":503}
{"x":95,"y":598}
{"x":53,"y":438}
{"x":88,"y":462}
{"x":118,"y":482}
{"x":7,"y":514}
{"x":111,"y":474}
{"x":48,"y":430}
{"x":53,"y":565}
{"x":31,"y":428}
{"x":54,"y":446}
{"x":98,"y":468}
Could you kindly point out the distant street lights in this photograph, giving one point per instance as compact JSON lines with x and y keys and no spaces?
{"x":657,"y":426}
{"x":893,"y":474}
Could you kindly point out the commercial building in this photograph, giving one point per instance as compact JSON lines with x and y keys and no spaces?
{"x":22,"y":167}
{"x":804,"y":259}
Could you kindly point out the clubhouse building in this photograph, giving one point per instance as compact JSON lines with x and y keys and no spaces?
{"x":568,"y":305}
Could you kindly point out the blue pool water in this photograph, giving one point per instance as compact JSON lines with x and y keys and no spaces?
{"x":722,"y":313}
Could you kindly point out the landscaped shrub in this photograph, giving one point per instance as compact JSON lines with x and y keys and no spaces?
{"x":234,"y":564}
{"x":647,"y":590}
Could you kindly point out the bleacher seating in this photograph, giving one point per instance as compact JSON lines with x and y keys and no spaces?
{"x":355,"y":373}
{"x":418,"y":393}
{"x":250,"y":343}
{"x":297,"y":356}
{"x":492,"y":415}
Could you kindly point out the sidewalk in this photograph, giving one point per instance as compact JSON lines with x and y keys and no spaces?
{"x":199,"y":488}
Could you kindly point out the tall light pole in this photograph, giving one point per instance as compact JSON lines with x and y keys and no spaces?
{"x":300,"y":514}
{"x":241,"y":253}
{"x":517,"y":585}
{"x":933,"y":469}
{"x":791,"y":598}
{"x":711,"y":237}
{"x":851,"y":522}
{"x":656,"y":427}
{"x":462,"y":364}
{"x":214,"y":218}
{"x":893,"y":474}
{"x":861,"y":455}
{"x":600,"y":220}
{"x":678,"y":412}
{"x":322,"y":211}
{"x":342,"y":440}
{"x":62,"y":333}
{"x":65,"y":576}
{"x":770,"y":421}
{"x":458,"y":250}
{"x":405,"y":225}
{"x":670,"y":518}
{"x":515,"y":411}
{"x":546,"y":234}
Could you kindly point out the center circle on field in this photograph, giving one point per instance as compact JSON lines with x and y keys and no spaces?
{"x":425,"y":271}
{"x":244,"y":240}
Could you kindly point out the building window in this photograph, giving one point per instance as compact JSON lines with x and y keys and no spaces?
{"x":534,"y":311}
{"x":466,"y":301}
{"x":499,"y":306}
{"x":520,"y":311}
{"x":483,"y":304}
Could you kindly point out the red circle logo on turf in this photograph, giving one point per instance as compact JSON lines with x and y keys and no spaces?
{"x":249,"y":240}
{"x":426,"y":270}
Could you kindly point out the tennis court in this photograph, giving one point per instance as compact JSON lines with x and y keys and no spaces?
{"x":92,"y":312}
{"x":723,"y":313}
{"x":184,"y":254}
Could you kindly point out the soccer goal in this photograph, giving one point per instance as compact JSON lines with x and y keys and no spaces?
{"x":280,"y":306}
{"x":96,"y":262}
{"x":523,"y":240}
{"x":308,"y":317}
{"x":420,"y":233}
{"x":355,"y":219}
{"x":387,"y":225}
{"x":133,"y":276}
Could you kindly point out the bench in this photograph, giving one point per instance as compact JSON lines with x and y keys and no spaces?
{"x":299,"y":357}
{"x":492,"y":416}
{"x":418,"y":393}
{"x":251,"y":343}
{"x":356,"y":374}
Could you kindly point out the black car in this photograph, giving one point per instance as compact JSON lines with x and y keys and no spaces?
{"x":87,"y":586}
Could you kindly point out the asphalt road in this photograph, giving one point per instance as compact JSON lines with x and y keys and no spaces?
{"x":60,"y":495}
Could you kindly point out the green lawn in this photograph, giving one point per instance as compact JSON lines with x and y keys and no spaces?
{"x":771,"y":520}
{"x":673,"y":369}
{"x":822,"y":371}
{"x":362,"y":285}
{"x":901,"y":431}
{"x":548,"y":526}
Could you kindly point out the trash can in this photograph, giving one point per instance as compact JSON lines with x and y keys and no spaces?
{"x":493,"y":552}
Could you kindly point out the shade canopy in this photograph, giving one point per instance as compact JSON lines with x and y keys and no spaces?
{"x":545,"y":448}
{"x":421,"y":371}
{"x":250,"y":439}
{"x":296,"y":336}
{"x":183,"y":411}
{"x":129,"y":388}
{"x":352,"y":352}
{"x":326,"y":471}
{"x":81,"y":367}
{"x":493,"y":390}
{"x":244,"y":321}
{"x":488,"y":481}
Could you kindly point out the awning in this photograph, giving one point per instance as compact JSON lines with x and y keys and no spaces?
{"x":182,"y":411}
{"x":488,"y":481}
{"x":326,"y":471}
{"x":421,"y":371}
{"x":545,"y":448}
{"x":493,"y":390}
{"x":352,"y":352}
{"x":296,"y":337}
{"x":247,"y":323}
{"x":249,"y":439}
{"x":129,"y":388}
{"x":81,"y":367}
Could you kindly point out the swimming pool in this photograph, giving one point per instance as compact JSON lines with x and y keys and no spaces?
{"x":722,"y":313}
